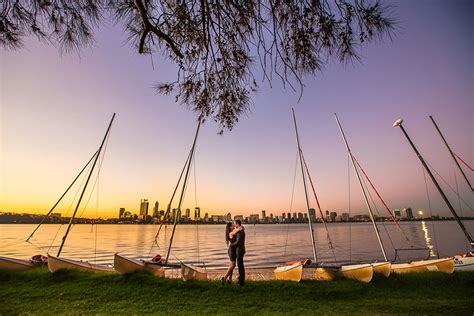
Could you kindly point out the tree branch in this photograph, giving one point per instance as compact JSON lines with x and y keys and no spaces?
{"x":148,"y":27}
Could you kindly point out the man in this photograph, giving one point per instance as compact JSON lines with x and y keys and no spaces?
{"x":239,"y":246}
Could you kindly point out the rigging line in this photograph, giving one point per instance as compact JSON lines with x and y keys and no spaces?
{"x":54,"y":238}
{"x":431,"y":215}
{"x":91,"y":192}
{"x":378,"y":213}
{"x":457,"y":190}
{"x":70,"y":205}
{"x":380,"y":197}
{"x":85,"y":187}
{"x":319,"y":207}
{"x":465,"y":163}
{"x":168,"y":209}
{"x":291,"y":205}
{"x":310,"y":223}
{"x":459,"y":200}
{"x":195,"y":204}
{"x":56,"y":204}
{"x":349,"y":205}
{"x":446,"y":182}
{"x":186,"y":178}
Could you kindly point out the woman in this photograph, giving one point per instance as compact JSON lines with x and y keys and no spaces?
{"x":229,"y":239}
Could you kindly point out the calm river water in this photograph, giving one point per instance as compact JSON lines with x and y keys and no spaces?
{"x":266,"y":244}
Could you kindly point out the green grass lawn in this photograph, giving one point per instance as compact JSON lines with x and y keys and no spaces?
{"x":40,"y":292}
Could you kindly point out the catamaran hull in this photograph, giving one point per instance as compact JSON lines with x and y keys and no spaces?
{"x":445,"y":265}
{"x":189,"y":273}
{"x":464,"y":263}
{"x":382,"y":268}
{"x":292,"y":272}
{"x":12,"y":264}
{"x":326,"y":273}
{"x":126,"y":265}
{"x":358,"y":272}
{"x":56,"y":264}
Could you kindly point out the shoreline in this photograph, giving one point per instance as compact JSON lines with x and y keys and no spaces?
{"x":86,"y":221}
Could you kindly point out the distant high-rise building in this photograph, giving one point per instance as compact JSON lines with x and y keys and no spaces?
{"x":240,"y":217}
{"x":408,"y":213}
{"x":345,"y":217}
{"x":156,"y":210}
{"x":333,"y":216}
{"x":121,"y":212}
{"x":288,"y":216}
{"x":197,"y":213}
{"x":144,"y":207}
{"x":188,"y":213}
{"x":283,"y":215}
{"x":397,"y":213}
{"x":312,"y":214}
{"x":206,"y":217}
{"x":253,"y":218}
{"x":328,"y":218}
{"x":264,"y":216}
{"x":294,"y":216}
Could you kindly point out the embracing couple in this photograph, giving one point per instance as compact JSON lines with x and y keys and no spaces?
{"x":235,"y":240}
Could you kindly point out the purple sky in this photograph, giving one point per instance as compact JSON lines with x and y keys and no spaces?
{"x":54,"y":111}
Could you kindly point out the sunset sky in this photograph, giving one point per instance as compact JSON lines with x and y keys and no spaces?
{"x":55,"y":110}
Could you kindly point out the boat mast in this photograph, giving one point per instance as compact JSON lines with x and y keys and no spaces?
{"x":305,"y":189}
{"x":85,"y":186}
{"x":168,"y":209}
{"x":369,"y":208}
{"x":456,"y":217}
{"x":183,"y":189}
{"x":452,"y":153}
{"x":56,"y":204}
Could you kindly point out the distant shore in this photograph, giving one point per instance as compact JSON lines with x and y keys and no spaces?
{"x":114,"y":221}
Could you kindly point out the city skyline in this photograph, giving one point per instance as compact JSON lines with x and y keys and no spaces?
{"x":250,"y":168}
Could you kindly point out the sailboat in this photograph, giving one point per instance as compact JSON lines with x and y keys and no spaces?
{"x":14,"y":264}
{"x":445,"y":265}
{"x":323,"y":272}
{"x":56,"y":263}
{"x":386,"y":267}
{"x":125,"y":265}
{"x":462,"y":261}
{"x":36,"y":261}
{"x":383,"y":268}
{"x":189,"y":272}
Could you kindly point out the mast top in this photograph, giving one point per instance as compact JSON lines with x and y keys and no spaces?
{"x":397,"y":123}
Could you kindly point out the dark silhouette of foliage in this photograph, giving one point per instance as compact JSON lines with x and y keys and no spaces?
{"x":215,"y":44}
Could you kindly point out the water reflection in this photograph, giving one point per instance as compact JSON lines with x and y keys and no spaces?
{"x":265,"y":243}
{"x":427,"y":237}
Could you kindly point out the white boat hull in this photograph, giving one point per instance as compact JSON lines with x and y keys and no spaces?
{"x":13,"y":264}
{"x":464,"y":262}
{"x":56,"y":264}
{"x":190,"y":272}
{"x":292,"y":272}
{"x":126,"y":265}
{"x":358,"y":272}
{"x":445,"y":265}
